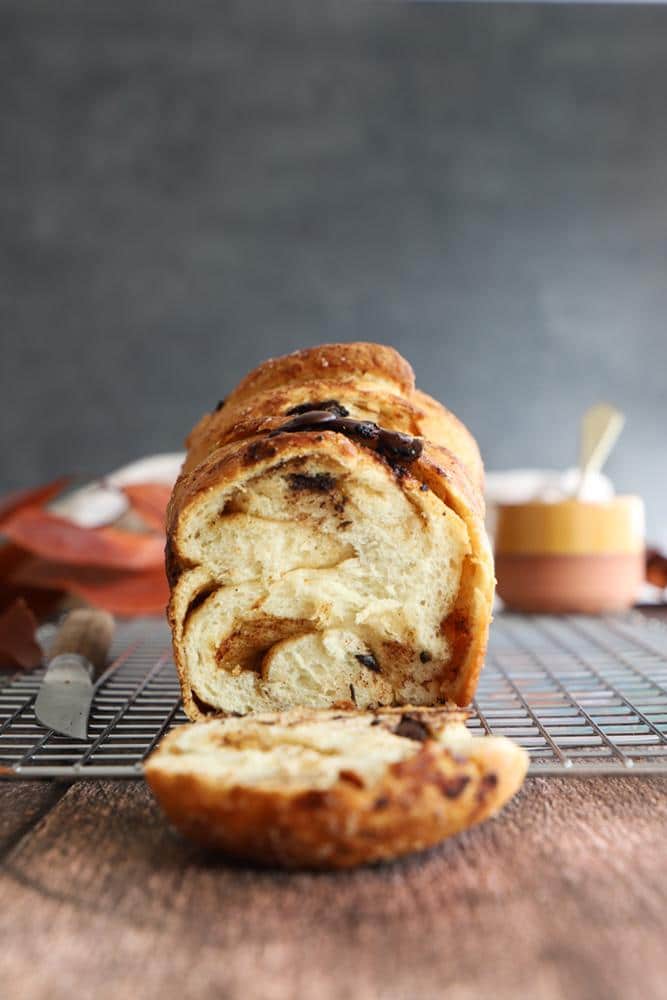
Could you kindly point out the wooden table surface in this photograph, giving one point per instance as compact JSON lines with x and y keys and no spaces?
{"x":563,"y":895}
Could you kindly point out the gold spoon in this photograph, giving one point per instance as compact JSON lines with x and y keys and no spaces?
{"x":601,"y":426}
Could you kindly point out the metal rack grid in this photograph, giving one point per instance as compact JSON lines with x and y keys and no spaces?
{"x":582,"y":695}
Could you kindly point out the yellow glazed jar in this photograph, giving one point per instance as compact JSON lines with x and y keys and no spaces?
{"x":570,"y":556}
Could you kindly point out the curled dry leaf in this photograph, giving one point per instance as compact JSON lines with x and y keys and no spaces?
{"x":13,"y":502}
{"x":41,"y":602}
{"x":656,"y":568}
{"x":123,"y":593}
{"x":11,"y":558}
{"x":150,"y":501}
{"x":54,"y":538}
{"x":18,"y":646}
{"x":46,"y":555}
{"x":126,"y":594}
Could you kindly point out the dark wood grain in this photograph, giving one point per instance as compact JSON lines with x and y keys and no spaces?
{"x":565,"y":894}
{"x":22,"y":804}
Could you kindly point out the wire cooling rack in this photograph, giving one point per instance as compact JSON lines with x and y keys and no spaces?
{"x":582,"y":695}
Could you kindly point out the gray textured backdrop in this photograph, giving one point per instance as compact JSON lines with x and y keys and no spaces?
{"x":186,"y":192}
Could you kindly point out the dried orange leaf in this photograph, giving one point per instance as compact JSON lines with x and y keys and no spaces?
{"x":124,"y":593}
{"x":18,"y":646}
{"x":56,"y":539}
{"x":13,"y":502}
{"x":129,"y":594}
{"x":12,"y":559}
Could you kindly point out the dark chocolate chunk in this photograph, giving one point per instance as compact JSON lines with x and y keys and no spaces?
{"x":332,"y":405}
{"x":412,"y":728}
{"x":320,"y":482}
{"x":425,"y":656}
{"x":259,"y":450}
{"x":424,"y":488}
{"x":313,"y":799}
{"x":368,"y":660}
{"x":452,"y":787}
{"x":309,"y":421}
{"x":351,"y":777}
{"x":219,"y":405}
{"x":395,"y":447}
{"x":364,"y":429}
{"x":393,"y":444}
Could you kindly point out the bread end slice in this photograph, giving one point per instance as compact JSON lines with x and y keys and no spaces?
{"x":328,"y":789}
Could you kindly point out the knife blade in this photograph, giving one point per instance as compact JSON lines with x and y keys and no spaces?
{"x":77,"y":657}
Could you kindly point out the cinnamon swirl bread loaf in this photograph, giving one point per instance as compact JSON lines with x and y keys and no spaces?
{"x":326,"y":542}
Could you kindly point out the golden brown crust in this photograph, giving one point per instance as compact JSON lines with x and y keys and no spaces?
{"x":442,"y":427}
{"x":417,"y":802}
{"x":328,"y":361}
{"x":410,"y":411}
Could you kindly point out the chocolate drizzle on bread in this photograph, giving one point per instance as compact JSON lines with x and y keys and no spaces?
{"x":330,"y":405}
{"x":397,"y":448}
{"x":320,"y":482}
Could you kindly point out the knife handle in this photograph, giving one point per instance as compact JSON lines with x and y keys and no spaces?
{"x":88,"y":633}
